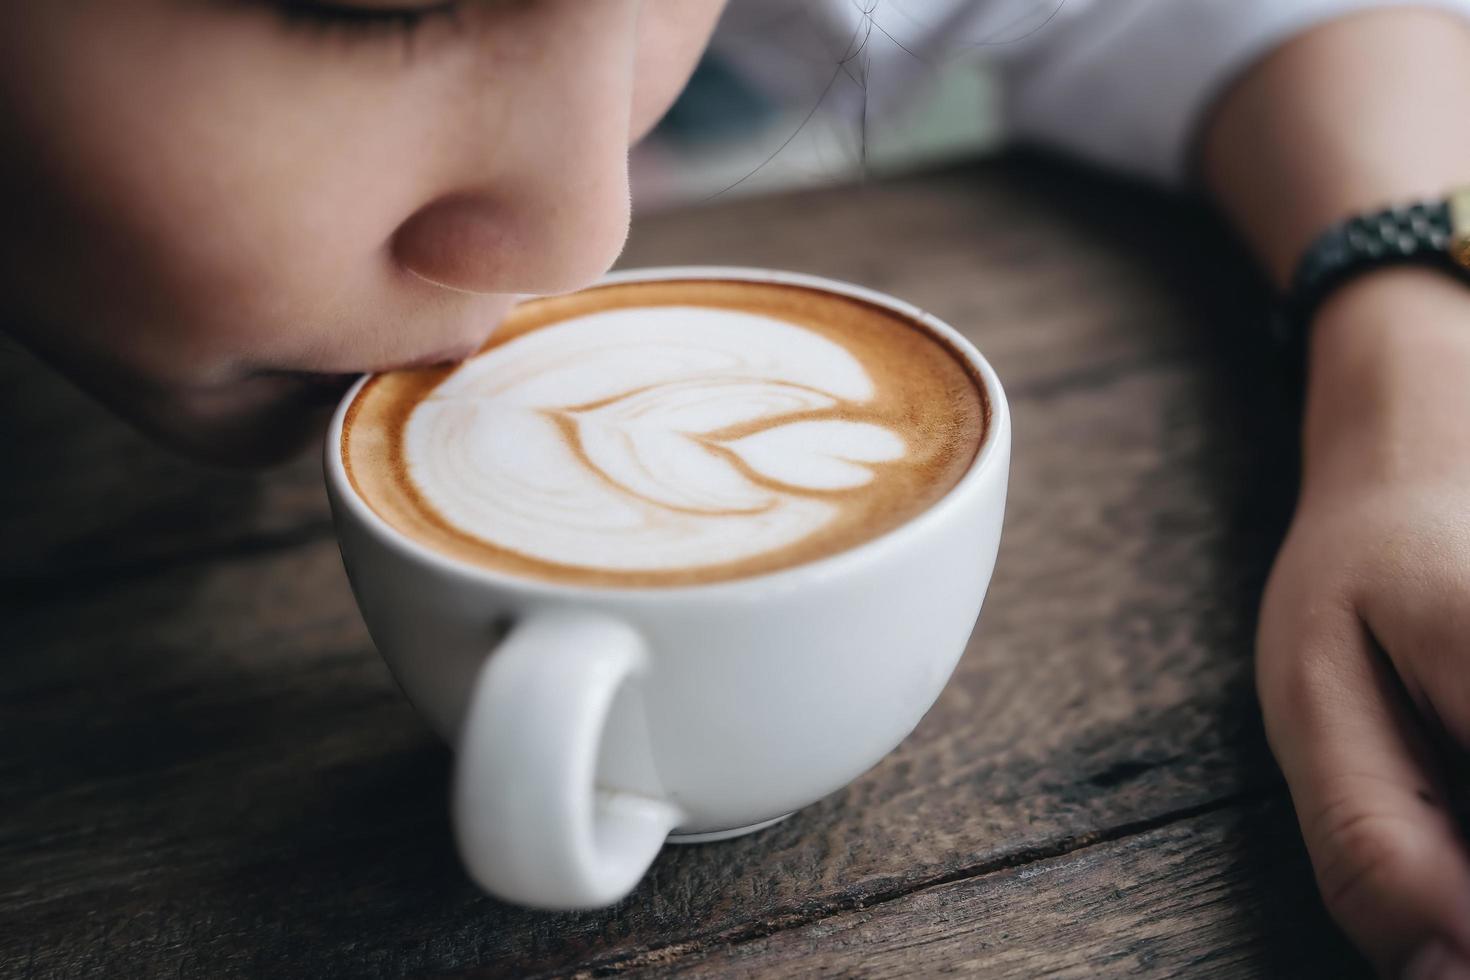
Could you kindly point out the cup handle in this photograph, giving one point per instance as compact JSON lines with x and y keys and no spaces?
{"x":531,"y":825}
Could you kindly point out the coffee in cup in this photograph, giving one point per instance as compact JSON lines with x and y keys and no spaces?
{"x":670,"y":433}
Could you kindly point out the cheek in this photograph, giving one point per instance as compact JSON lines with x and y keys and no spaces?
{"x":219,"y":194}
{"x":672,"y":35}
{"x":263,"y":211}
{"x":228,"y":203}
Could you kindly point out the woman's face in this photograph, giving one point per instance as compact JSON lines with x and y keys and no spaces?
{"x":217,"y":209}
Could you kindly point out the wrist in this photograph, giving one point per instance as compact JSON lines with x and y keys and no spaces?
{"x":1388,"y":379}
{"x":1387,"y":314}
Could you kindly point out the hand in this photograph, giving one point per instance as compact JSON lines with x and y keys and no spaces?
{"x":1364,"y":641}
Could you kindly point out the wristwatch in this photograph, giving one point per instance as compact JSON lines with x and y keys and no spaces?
{"x":1435,"y":234}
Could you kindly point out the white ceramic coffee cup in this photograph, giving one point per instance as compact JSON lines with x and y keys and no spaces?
{"x":592,"y":723}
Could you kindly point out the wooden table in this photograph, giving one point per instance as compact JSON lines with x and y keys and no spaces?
{"x":208,"y":772}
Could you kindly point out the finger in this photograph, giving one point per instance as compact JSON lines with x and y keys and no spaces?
{"x":1431,"y":610}
{"x":1389,"y":859}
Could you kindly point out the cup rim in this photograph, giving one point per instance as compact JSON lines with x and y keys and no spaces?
{"x":997,"y":432}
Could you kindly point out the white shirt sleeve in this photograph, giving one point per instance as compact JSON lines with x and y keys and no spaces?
{"x":1126,"y":82}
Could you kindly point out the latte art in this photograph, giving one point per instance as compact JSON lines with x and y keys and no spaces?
{"x":662,"y":439}
{"x":647,"y":439}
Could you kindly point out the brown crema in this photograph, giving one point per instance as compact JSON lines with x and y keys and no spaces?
{"x":925,"y":392}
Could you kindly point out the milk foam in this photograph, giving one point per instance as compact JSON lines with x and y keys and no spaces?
{"x":606,"y":440}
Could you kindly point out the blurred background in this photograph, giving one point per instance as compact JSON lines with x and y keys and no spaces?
{"x":729,"y":135}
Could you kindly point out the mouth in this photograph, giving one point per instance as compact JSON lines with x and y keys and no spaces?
{"x":441,"y":358}
{"x":318,"y":388}
{"x":332,"y":384}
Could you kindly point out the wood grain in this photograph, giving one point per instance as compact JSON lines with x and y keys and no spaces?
{"x":208,"y":772}
{"x":1199,"y":897}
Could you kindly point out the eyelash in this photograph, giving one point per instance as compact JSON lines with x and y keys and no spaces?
{"x":364,"y":20}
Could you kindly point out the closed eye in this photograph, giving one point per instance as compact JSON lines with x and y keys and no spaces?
{"x":403,"y":17}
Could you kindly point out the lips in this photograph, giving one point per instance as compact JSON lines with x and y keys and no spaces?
{"x":321,"y":388}
{"x":339,"y":381}
{"x":449,"y":355}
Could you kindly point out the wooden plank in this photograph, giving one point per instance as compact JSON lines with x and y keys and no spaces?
{"x":1201,"y":897}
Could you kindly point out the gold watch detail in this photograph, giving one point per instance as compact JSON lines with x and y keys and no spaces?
{"x":1460,"y":226}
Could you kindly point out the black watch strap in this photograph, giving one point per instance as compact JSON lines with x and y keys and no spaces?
{"x":1428,"y":233}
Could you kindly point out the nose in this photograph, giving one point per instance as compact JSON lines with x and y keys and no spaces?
{"x":533,"y":192}
{"x":467,"y":241}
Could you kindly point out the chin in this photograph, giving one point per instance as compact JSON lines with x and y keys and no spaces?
{"x":258,"y":423}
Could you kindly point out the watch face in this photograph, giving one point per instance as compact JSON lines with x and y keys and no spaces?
{"x":1459,"y":245}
